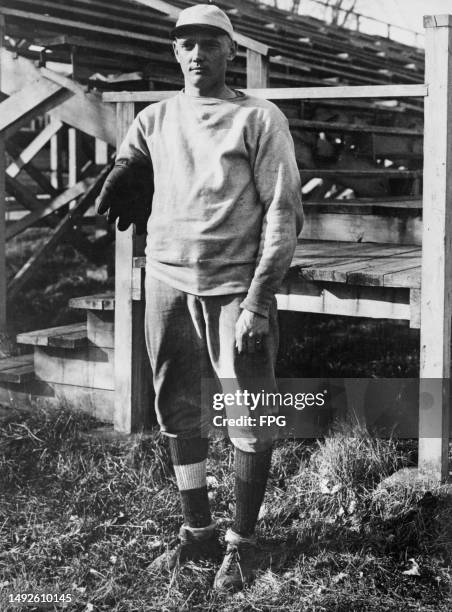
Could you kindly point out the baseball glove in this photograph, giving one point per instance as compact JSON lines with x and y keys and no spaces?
{"x":127,"y":194}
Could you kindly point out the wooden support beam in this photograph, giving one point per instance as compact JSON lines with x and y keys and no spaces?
{"x":289,"y":93}
{"x":100,"y":152}
{"x":33,"y":172}
{"x":28,"y":269}
{"x":257,"y":70}
{"x":2,"y":203}
{"x":132,"y":370}
{"x":302,"y":295}
{"x":74,"y":154}
{"x":33,"y":148}
{"x":22,"y":194}
{"x":32,"y":100}
{"x":436,"y":300}
{"x":61,"y":200}
{"x":56,"y":161}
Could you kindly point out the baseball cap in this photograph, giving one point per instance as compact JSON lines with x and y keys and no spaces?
{"x":207,"y":15}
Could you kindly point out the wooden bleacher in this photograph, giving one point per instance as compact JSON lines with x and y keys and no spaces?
{"x":371,"y":255}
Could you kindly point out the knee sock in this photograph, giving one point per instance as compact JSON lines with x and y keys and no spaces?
{"x":189,"y":461}
{"x":251,"y":472}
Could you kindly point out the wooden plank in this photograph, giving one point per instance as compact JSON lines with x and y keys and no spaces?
{"x":31,"y":101}
{"x":362,"y":227}
{"x":63,"y":226}
{"x":132,"y":370}
{"x":17,"y":370}
{"x":331,"y":126}
{"x":90,"y":367}
{"x":359,"y":270}
{"x":323,"y":249}
{"x":86,"y":43}
{"x":436,"y":304}
{"x":101,"y":301}
{"x":41,"y":394}
{"x":18,"y":375}
{"x":61,"y":200}
{"x":87,"y":27}
{"x":307,"y":173}
{"x":101,"y":328}
{"x":374,"y":273}
{"x":22,"y":194}
{"x":74,"y":156}
{"x":14,"y":150}
{"x":289,"y":93}
{"x":257,"y":69}
{"x":14,"y":362}
{"x":100,"y":152}
{"x":84,"y":111}
{"x":33,"y":148}
{"x":2,"y":197}
{"x":406,"y":278}
{"x":415,"y":307}
{"x":56,"y":157}
{"x":338,"y":299}
{"x":307,"y":258}
{"x":48,"y":336}
{"x":87,"y":113}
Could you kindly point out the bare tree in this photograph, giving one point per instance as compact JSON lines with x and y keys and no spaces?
{"x":341,"y":10}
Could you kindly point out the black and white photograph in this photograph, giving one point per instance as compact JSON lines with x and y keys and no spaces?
{"x":225,"y":305}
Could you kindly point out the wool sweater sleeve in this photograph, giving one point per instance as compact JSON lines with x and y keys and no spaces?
{"x":278,"y":186}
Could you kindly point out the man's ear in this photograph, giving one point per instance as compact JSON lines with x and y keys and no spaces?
{"x":233,"y":48}
{"x":175,"y":50}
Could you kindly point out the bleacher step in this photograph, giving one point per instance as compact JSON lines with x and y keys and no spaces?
{"x":65,"y":336}
{"x":100,"y":301}
{"x":17,"y":370}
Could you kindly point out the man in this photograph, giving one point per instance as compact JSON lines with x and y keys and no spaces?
{"x":225,"y":217}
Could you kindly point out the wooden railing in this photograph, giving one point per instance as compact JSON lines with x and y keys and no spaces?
{"x":436,"y":294}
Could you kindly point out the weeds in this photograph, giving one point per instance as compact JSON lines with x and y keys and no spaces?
{"x":87,"y":516}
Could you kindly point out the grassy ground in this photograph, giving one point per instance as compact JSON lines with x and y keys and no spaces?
{"x":86,"y":517}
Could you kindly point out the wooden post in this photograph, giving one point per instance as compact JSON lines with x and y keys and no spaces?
{"x":74,"y":150}
{"x":74,"y":164}
{"x":100,"y":152}
{"x":132,"y":371}
{"x":2,"y":204}
{"x":256,"y":70}
{"x":436,"y":302}
{"x":100,"y":159}
{"x":56,"y":165}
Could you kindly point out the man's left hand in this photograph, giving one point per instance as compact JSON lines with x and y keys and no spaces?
{"x":250,"y":332}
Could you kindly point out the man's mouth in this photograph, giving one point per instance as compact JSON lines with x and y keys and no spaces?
{"x":200,"y":69}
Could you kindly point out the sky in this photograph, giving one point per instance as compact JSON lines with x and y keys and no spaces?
{"x":407,"y":13}
{"x":404,"y":13}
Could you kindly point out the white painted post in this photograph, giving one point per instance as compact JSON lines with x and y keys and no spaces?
{"x":133,"y":382}
{"x":56,"y":166}
{"x":436,"y":285}
{"x":2,"y":205}
{"x":256,"y":70}
{"x":100,"y":152}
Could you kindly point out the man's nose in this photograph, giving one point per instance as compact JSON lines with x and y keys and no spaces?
{"x":198,"y":52}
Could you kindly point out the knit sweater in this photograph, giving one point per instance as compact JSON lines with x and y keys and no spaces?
{"x":227,"y":203}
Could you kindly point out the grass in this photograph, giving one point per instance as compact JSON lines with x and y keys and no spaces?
{"x":64,"y":273}
{"x":86,"y":516}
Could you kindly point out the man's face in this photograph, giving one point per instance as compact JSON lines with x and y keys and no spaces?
{"x":203,"y":56}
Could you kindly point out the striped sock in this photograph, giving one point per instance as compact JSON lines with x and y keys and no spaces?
{"x":251,"y":473}
{"x":189,"y":461}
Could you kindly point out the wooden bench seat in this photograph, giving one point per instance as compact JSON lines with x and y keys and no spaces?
{"x":17,"y":369}
{"x":362,"y":263}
